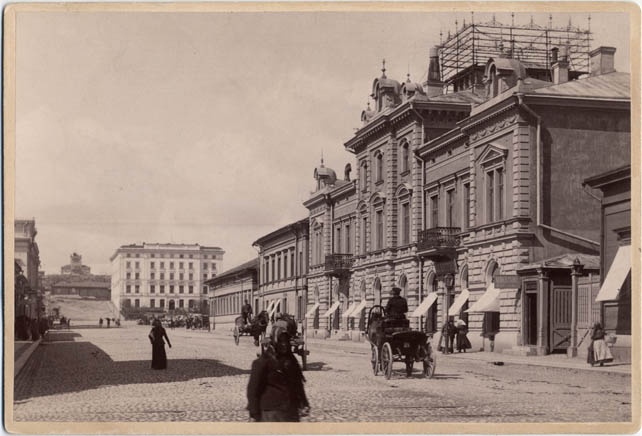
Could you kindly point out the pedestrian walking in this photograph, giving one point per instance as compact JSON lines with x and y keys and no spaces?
{"x":463,"y":343}
{"x":275,"y":391}
{"x":157,"y":337}
{"x":599,"y":350}
{"x":448,"y":332}
{"x":100,"y":322}
{"x":108,"y":322}
{"x":68,"y":323}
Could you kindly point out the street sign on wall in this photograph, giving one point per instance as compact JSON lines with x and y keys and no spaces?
{"x":443,"y":267}
{"x":507,"y":282}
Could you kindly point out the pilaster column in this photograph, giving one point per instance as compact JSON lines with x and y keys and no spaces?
{"x":575,"y":273}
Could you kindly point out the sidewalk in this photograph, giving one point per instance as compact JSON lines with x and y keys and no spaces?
{"x":22,"y":350}
{"x":551,"y":360}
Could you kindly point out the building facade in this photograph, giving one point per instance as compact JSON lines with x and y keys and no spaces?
{"x":614,"y":297}
{"x":166,"y":276}
{"x":228,"y":292}
{"x":28,"y":292}
{"x":75,"y":266}
{"x":283,"y":269}
{"x":469,"y":197}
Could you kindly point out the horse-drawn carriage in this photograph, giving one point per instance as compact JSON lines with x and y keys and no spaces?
{"x":255,"y":328}
{"x":392,"y":340}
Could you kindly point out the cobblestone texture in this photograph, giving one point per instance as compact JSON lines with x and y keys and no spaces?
{"x":104,"y":375}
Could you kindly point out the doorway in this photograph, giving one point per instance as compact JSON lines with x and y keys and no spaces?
{"x":530,"y":317}
{"x":560,"y":315}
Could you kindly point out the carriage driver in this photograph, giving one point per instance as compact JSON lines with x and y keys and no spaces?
{"x":397,"y":306}
{"x":246,"y":312}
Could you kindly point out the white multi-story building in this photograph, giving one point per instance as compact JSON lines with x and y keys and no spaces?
{"x":166,"y":276}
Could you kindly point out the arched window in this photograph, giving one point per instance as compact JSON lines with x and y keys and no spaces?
{"x":376,"y":288}
{"x":491,"y":271}
{"x":405,"y":157}
{"x":403,"y":284}
{"x":463,"y":277}
{"x":363,"y":175}
{"x":378,"y":167}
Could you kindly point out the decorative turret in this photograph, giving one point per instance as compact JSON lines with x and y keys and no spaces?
{"x":434,"y":86}
{"x":324,"y":176}
{"x":385,"y":92}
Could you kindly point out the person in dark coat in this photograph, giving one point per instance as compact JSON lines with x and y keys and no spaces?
{"x":156,"y":335}
{"x":448,"y":332}
{"x":463,"y":343}
{"x":275,"y":391}
{"x":246,"y":312}
{"x":397,"y":306}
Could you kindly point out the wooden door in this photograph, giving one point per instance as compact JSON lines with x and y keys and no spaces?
{"x":560,"y":319}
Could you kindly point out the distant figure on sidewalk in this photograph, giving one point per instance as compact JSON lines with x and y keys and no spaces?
{"x":448,"y":332}
{"x":275,"y":391}
{"x":108,"y":322}
{"x":463,"y":343}
{"x":100,"y":322}
{"x":68,"y":323}
{"x":598,"y":349}
{"x":156,"y":336}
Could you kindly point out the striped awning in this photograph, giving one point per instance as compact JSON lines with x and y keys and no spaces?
{"x":313,"y":309}
{"x":331,"y":310}
{"x":489,"y":302}
{"x":459,"y":303}
{"x":349,"y":310}
{"x":359,"y":308}
{"x":616,"y":276}
{"x":425,"y":305}
{"x":269,"y":306}
{"x":277,"y":305}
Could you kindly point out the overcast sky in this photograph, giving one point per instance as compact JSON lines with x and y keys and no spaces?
{"x":202,"y":127}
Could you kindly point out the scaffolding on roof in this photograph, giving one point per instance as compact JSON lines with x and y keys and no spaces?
{"x":474,"y":43}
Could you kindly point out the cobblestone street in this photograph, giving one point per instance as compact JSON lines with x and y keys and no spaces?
{"x":104,"y":375}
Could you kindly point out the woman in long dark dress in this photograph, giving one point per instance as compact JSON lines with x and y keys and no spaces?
{"x":159,"y":357}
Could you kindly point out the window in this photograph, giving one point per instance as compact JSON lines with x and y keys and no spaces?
{"x":151,"y":265}
{"x":285,"y":265}
{"x":181,"y":256}
{"x":364,"y":234}
{"x":213,"y":267}
{"x":190,"y":289}
{"x":162,"y":276}
{"x":405,"y":223}
{"x":137,"y":276}
{"x":205,"y":289}
{"x":162,"y":289}
{"x":292,"y":272}
{"x":171,"y":289}
{"x":128,"y":264}
{"x":137,"y":289}
{"x":152,"y":303}
{"x":379,"y":167}
{"x":205,"y":276}
{"x":466,"y":214}
{"x":153,"y":255}
{"x":379,"y":230}
{"x":405,"y":158}
{"x":128,"y":275}
{"x":171,"y":265}
{"x":162,"y":265}
{"x":180,"y":264}
{"x":272,"y":273}
{"x":363,"y":176}
{"x":137,"y":265}
{"x":348,"y":242}
{"x":495,"y":195}
{"x":136,"y":302}
{"x":191,"y":265}
{"x":278,"y":267}
{"x":181,"y":276}
{"x":337,"y":240}
{"x":434,"y":211}
{"x":450,"y":205}
{"x":171,"y":276}
{"x":128,"y":289}
{"x":162,"y":302}
{"x":180,"y":303}
{"x":152,"y":289}
{"x":181,"y":289}
{"x":191,"y":276}
{"x":205,"y":266}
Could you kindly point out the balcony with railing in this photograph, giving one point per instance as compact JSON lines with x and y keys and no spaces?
{"x":439,"y":241}
{"x":338,"y":264}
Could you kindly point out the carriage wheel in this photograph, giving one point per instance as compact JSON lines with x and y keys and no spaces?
{"x":386,"y":360}
{"x":237,"y":333}
{"x":430,"y":363}
{"x":374,"y":359}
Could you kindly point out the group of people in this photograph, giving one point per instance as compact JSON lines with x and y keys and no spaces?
{"x":454,"y":335}
{"x":109,"y":321}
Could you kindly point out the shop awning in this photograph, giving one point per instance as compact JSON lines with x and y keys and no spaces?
{"x":425,"y":305}
{"x":359,"y":308}
{"x":489,"y":302}
{"x":310,"y":312}
{"x":459,"y":303}
{"x":331,"y":310}
{"x":349,"y":311}
{"x":269,"y":306}
{"x":620,"y":268}
{"x":277,"y":304}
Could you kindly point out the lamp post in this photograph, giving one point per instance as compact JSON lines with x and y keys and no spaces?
{"x":576,"y":271}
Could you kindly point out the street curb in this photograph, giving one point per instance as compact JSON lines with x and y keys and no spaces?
{"x":24,"y":357}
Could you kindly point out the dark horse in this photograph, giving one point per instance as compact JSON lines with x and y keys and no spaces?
{"x":255,"y":328}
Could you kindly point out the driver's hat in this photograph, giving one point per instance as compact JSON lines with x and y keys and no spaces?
{"x":396,"y":290}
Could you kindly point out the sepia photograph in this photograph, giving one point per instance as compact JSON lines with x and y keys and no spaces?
{"x":321,"y":218}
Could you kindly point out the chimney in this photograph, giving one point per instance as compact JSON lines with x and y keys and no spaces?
{"x":602,"y":61}
{"x":560,"y":65}
{"x":434,"y":86}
